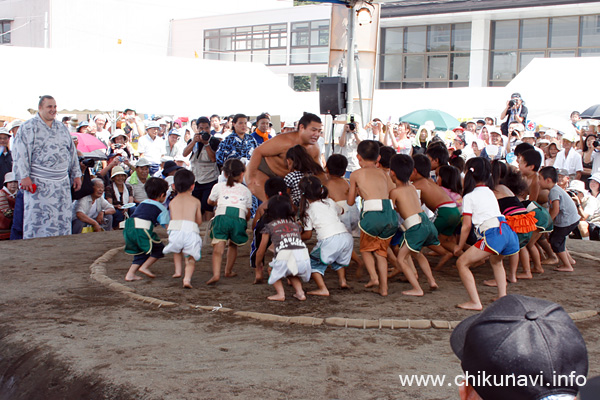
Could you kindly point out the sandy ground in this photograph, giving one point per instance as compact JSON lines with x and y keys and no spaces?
{"x":64,"y":335}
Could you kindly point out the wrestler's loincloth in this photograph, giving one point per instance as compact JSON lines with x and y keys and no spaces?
{"x":419,"y":232}
{"x":184,"y":237}
{"x":264,"y":168}
{"x":448,"y":219}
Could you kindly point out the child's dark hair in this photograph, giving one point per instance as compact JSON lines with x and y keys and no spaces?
{"x":232,"y":169}
{"x":368,"y":150}
{"x":457,"y":161}
{"x":514,"y":181}
{"x":279,"y":207}
{"x":275,"y":186}
{"x":312,"y":189}
{"x":521,"y":148}
{"x":438,"y":151}
{"x":549,"y":172}
{"x":337,"y":164}
{"x":450,"y":177}
{"x":499,"y":171}
{"x":386,"y":153}
{"x":307,"y":118}
{"x":183,"y":179}
{"x":422,"y":165}
{"x":532,"y":157}
{"x":478,"y":170}
{"x":402,"y":165}
{"x":302,"y":161}
{"x":155,"y":187}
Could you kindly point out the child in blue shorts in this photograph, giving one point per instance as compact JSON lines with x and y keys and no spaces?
{"x":335,"y":243}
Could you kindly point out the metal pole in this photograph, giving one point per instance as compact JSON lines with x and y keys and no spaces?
{"x":46,"y":30}
{"x":360,"y":98}
{"x":350,"y":81}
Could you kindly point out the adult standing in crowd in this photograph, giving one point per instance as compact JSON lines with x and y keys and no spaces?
{"x":46,"y":164}
{"x":348,"y":142}
{"x":6,"y":159}
{"x":239,"y":144}
{"x":152,"y":147}
{"x":101,"y":133}
{"x":174,"y":146}
{"x":568,"y":158}
{"x":261,"y":134}
{"x":203,"y":162}
{"x":268,"y":160}
{"x":515,"y":111}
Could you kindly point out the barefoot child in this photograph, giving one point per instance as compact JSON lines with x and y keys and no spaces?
{"x":338,"y":189}
{"x":529,"y":164}
{"x":273,"y":186}
{"x":496,"y":239}
{"x":233,"y":203}
{"x":291,"y":258}
{"x":335,"y":243}
{"x":418,"y":230}
{"x":564,"y":213}
{"x":379,"y":221}
{"x":184,"y":231}
{"x":448,"y":216}
{"x":140,"y":239}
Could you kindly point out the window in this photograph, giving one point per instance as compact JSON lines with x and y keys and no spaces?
{"x":265,"y":44}
{"x":310,"y":42}
{"x":515,"y":43}
{"x":425,"y":56}
{"x":4,"y":32}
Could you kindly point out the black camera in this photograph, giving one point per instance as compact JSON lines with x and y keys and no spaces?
{"x":88,"y":162}
{"x":572,"y":193}
{"x":352,"y":125}
{"x":118,"y":145}
{"x":512,"y":103}
{"x":205,"y":136}
{"x":596,"y":143}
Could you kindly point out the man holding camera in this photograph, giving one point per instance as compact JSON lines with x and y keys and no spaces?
{"x":515,"y":111}
{"x":348,"y":142}
{"x":203,"y":164}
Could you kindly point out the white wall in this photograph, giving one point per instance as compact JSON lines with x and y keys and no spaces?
{"x":27,"y":21}
{"x":142,"y":26}
{"x":187,"y":35}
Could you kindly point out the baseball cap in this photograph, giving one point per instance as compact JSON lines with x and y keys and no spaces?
{"x":82,"y":124}
{"x":494,"y":129}
{"x":10,"y":177}
{"x":175,"y":132}
{"x":143,"y":162}
{"x":529,"y":134}
{"x":521,"y":336}
{"x":515,"y":96}
{"x":169,"y":167}
{"x":4,"y":131}
{"x":152,"y":124}
{"x":551,"y":133}
{"x":459,"y":129}
{"x":562,"y":171}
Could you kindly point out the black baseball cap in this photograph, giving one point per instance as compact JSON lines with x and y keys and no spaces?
{"x":521,"y":336}
{"x":169,"y":167}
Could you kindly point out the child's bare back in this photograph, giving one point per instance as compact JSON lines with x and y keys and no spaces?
{"x":186,"y":207}
{"x":372,"y":183}
{"x":406,"y":200}
{"x":431,"y":194}
{"x":338,"y":188}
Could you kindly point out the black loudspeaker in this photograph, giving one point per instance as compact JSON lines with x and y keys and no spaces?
{"x":332,"y":95}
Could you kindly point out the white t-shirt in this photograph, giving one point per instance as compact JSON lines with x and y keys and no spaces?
{"x":324,"y":217}
{"x":572,"y":163}
{"x":481,"y":205}
{"x":91,"y":208}
{"x":150,"y":149}
{"x":238,"y":196}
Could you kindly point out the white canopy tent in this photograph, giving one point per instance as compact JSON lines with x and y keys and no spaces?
{"x":554,"y":87}
{"x":154,"y":85}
